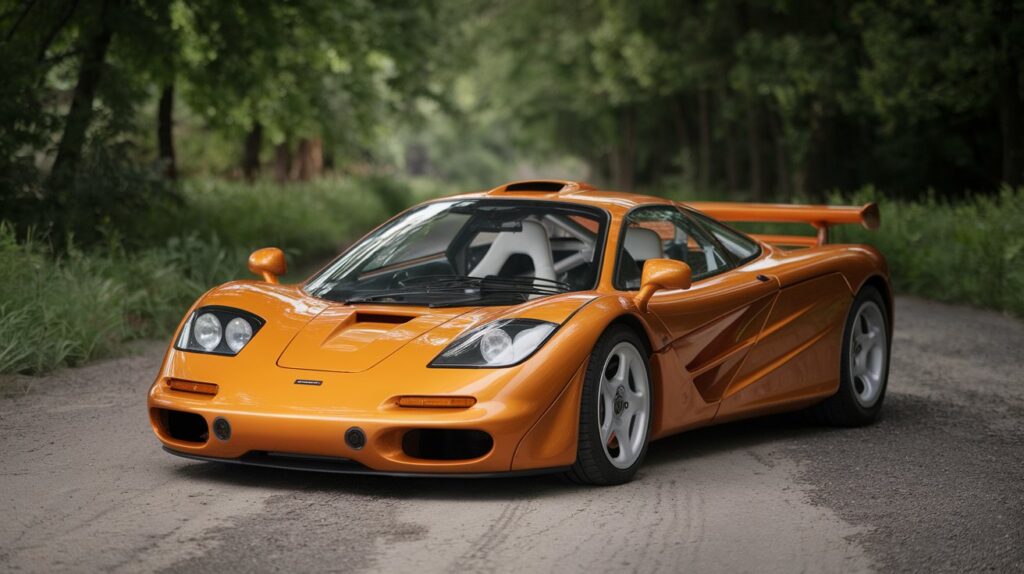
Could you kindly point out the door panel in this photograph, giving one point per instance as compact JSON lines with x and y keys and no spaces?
{"x":714,"y":324}
{"x":796,"y":358}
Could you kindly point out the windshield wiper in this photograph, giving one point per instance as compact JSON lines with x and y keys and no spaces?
{"x":467,"y":289}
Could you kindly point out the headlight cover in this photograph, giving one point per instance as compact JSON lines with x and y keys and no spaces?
{"x":218,"y":331}
{"x":501,"y":343}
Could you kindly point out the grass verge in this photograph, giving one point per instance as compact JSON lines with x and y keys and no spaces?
{"x":61,"y":307}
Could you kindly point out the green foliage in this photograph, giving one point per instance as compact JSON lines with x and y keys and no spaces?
{"x":64,"y":306}
{"x":968,"y":252}
{"x":769,"y":98}
{"x":306,"y":219}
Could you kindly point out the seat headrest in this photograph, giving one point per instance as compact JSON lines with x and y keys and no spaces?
{"x":531,"y":241}
{"x":643,"y":244}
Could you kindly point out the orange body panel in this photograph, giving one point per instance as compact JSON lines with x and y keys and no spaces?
{"x":760,"y":338}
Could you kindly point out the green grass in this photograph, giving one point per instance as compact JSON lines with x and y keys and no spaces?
{"x":62,"y":307}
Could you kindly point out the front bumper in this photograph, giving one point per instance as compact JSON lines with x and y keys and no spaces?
{"x":298,"y":429}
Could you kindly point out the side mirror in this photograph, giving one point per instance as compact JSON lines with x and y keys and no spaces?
{"x":661,"y":274}
{"x":268,"y":263}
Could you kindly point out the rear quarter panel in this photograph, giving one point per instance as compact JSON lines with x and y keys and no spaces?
{"x":796,"y":359}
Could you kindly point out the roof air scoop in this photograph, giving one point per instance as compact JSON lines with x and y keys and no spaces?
{"x":542,"y":186}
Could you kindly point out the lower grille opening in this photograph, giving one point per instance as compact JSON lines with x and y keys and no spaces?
{"x":186,"y":427}
{"x":446,"y":444}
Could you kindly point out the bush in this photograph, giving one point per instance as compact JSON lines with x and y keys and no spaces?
{"x":65,"y":304}
{"x":308,"y":220}
{"x":970,"y":251}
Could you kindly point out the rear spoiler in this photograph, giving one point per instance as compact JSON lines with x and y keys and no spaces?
{"x":821,"y":217}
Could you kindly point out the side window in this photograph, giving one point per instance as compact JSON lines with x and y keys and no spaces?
{"x":662,"y":232}
{"x":741,"y":246}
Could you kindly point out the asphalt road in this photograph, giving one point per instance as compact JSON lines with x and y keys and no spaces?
{"x":937,"y":485}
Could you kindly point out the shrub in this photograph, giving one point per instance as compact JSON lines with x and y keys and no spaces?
{"x":65,"y":305}
{"x":970,"y":251}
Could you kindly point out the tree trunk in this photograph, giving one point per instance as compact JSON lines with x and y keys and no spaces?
{"x":309,"y":160}
{"x":754,"y":151}
{"x":782,"y":177}
{"x":251,"y":155}
{"x":732,"y":167}
{"x":623,"y":157}
{"x":165,"y":132}
{"x":1010,"y":103}
{"x":704,"y":110}
{"x":417,"y":159}
{"x":682,"y":127}
{"x":76,"y":125}
{"x":282,"y":162}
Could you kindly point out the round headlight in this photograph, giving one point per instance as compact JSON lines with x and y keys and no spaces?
{"x":496,"y":346}
{"x":237,"y":333}
{"x":207,"y":331}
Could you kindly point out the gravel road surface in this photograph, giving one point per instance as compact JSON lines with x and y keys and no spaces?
{"x":937,"y":485}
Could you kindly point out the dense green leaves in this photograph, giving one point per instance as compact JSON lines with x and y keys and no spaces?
{"x":761,"y":98}
{"x":765,"y":97}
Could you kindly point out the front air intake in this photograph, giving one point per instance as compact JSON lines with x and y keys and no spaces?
{"x":179,"y":425}
{"x":446,"y":444}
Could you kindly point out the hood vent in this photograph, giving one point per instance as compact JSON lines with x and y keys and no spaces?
{"x":381,"y":318}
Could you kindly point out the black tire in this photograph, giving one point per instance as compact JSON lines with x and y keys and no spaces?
{"x":592,"y":465}
{"x":844,"y":409}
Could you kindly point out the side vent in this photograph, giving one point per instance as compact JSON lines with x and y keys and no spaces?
{"x":542,"y":186}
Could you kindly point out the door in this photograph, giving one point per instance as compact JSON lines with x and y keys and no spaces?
{"x":795,"y":359}
{"x":714,"y":324}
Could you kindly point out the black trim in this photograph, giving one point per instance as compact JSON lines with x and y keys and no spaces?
{"x":314,"y":463}
{"x":219,"y":311}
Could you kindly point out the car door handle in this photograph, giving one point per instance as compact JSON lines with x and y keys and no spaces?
{"x":763,"y":278}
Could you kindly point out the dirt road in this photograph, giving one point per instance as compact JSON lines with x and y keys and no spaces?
{"x":937,"y":485}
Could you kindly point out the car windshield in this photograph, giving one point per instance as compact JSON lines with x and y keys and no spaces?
{"x":471,"y":252}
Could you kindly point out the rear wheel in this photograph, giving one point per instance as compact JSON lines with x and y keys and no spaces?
{"x":615,"y":410}
{"x":864,"y":368}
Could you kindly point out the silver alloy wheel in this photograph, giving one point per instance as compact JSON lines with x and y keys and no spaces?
{"x":868,"y":347}
{"x":624,"y":405}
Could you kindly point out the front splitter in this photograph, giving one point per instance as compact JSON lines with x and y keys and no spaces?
{"x":313,"y":463}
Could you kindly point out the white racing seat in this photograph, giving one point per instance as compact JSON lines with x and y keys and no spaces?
{"x":643,"y":244}
{"x":531,"y":241}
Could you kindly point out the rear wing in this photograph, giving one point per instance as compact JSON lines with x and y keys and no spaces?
{"x":821,"y":217}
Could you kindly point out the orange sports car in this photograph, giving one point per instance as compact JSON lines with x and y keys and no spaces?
{"x":541,"y":326}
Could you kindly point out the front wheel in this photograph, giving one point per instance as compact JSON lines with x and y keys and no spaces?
{"x":615,"y":410}
{"x":864,"y":367}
